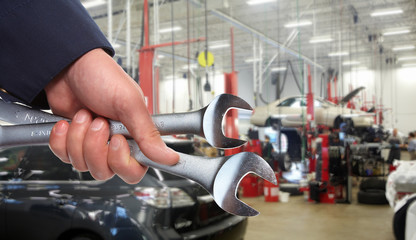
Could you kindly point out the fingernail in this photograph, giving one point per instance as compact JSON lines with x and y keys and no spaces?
{"x":97,"y":125}
{"x":61,"y":128}
{"x":115,"y":144}
{"x":80,"y":117}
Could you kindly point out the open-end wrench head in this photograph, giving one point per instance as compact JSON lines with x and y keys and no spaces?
{"x":213,"y":116}
{"x":229,"y":176}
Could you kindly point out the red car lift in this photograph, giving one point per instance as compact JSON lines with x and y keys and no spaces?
{"x":231,"y":87}
{"x":147,"y":52}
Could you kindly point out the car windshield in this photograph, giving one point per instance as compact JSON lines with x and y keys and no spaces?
{"x":286,"y":103}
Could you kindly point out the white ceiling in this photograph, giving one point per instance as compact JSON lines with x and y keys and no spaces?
{"x":266,"y":23}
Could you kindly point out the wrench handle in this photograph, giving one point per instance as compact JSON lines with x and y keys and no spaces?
{"x":25,"y":134}
{"x":202,"y":170}
{"x":167,"y":124}
{"x":38,"y":134}
{"x":180,"y":123}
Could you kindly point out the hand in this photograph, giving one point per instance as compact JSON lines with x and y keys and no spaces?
{"x":95,"y":85}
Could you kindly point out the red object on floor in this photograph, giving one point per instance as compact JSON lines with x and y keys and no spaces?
{"x":250,"y":186}
{"x":328,"y":196}
{"x":253,"y":145}
{"x":271,"y":191}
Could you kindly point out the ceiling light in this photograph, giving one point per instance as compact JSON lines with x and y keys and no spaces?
{"x":402,"y":48}
{"x":321,"y":39}
{"x":217,"y":46}
{"x":338,"y":54}
{"x":406,"y":58}
{"x":396,"y":32}
{"x":278,"y":69}
{"x":362,"y":68}
{"x":170,"y":29}
{"x":94,"y":3}
{"x":349,"y":63}
{"x":409,"y":65}
{"x":385,"y":12}
{"x":256,"y":2}
{"x":250,"y":60}
{"x":160,"y":56}
{"x":298,"y":24}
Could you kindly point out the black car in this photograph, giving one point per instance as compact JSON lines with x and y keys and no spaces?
{"x":44,"y":198}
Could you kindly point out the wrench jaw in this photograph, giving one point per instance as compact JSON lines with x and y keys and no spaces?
{"x":229,"y":176}
{"x":213,"y":117}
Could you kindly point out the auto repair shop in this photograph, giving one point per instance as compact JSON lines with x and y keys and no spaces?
{"x":292,"y":119}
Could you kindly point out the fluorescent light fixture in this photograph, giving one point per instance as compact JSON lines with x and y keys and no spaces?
{"x":160,"y":56}
{"x":406,"y":58}
{"x":396,"y":32}
{"x":402,"y":48}
{"x":166,"y":30}
{"x":362,"y":68}
{"x":298,"y":24}
{"x":250,"y":60}
{"x":409,"y":65}
{"x":321,"y":39}
{"x":171,"y":77}
{"x":349,"y":63}
{"x":256,"y":2}
{"x":93,"y":3}
{"x":278,"y":69}
{"x":385,"y":12}
{"x":217,"y":46}
{"x":338,"y":54}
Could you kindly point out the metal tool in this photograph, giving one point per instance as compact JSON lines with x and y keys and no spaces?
{"x":206,"y":122}
{"x":219,"y":176}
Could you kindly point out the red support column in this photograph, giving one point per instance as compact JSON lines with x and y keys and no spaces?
{"x":231,"y":130}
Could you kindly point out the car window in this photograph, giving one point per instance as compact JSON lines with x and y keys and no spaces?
{"x":286,"y":103}
{"x":39,"y":163}
{"x":299,"y":102}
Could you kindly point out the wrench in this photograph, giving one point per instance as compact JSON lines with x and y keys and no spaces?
{"x":206,"y":122}
{"x":219,"y":176}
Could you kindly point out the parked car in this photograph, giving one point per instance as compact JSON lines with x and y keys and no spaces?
{"x":44,"y":198}
{"x":288,"y":111}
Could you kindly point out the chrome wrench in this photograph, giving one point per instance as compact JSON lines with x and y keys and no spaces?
{"x":206,"y":122}
{"x":219,"y":176}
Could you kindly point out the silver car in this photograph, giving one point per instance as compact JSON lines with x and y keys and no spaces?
{"x":289,"y":112}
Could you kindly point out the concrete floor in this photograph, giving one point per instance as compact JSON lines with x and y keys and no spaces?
{"x":299,"y":219}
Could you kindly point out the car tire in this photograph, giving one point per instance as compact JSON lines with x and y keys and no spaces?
{"x":372,"y":196}
{"x":337,"y":122}
{"x":373,"y":183}
{"x":285,"y":164}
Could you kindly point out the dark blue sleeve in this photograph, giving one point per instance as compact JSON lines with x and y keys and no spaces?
{"x":38,"y":39}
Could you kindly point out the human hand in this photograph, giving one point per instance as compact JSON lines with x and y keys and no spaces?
{"x":95,"y":85}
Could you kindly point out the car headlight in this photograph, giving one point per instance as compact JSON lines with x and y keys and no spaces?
{"x":164,"y":197}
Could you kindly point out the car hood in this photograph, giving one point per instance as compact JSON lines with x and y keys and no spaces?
{"x":350,"y":95}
